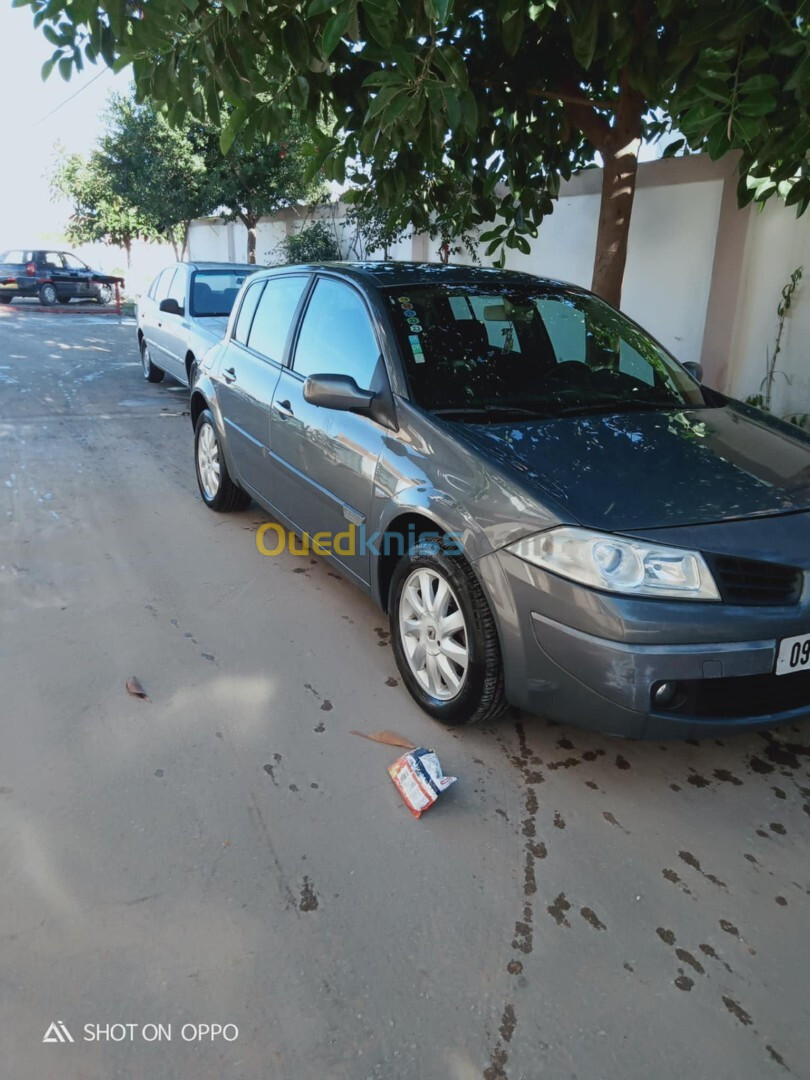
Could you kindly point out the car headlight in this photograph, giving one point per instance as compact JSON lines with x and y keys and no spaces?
{"x":620,"y":565}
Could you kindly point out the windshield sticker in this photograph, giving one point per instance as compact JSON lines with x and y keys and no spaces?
{"x":416,"y":349}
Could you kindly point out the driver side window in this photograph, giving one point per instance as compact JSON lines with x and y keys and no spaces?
{"x":337,"y":337}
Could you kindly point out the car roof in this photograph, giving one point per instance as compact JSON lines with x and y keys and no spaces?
{"x":401,"y":274}
{"x":198,"y":264}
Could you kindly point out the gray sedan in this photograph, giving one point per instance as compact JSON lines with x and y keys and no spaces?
{"x":183,"y":314}
{"x":553,"y":512}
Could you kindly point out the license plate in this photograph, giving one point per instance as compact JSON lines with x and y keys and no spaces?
{"x":794,"y":655}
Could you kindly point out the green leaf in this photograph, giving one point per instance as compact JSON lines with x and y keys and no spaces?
{"x":334,"y":31}
{"x":758,"y":83}
{"x":585,"y":34}
{"x":231,"y":129}
{"x":52,"y":36}
{"x":65,"y":67}
{"x":48,"y":67}
{"x":757,"y":104}
{"x":672,"y":148}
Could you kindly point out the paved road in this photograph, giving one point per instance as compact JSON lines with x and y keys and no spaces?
{"x":228,"y":853}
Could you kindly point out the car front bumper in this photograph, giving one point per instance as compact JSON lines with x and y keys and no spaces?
{"x":577,"y":656}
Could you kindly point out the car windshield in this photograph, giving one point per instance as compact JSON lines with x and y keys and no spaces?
{"x":483,"y":353}
{"x":214,"y":291}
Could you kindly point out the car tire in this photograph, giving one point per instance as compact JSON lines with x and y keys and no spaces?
{"x":217,"y":489}
{"x":6,"y":299}
{"x":48,"y":295}
{"x":191,"y":371}
{"x":465,"y":650}
{"x":151,"y":372}
{"x":103,"y":294}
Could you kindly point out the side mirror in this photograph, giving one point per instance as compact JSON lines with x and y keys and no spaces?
{"x":694,"y":369}
{"x":171,"y":307}
{"x":338,"y":392}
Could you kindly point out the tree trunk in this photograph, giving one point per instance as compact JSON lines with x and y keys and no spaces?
{"x":128,"y":250}
{"x":620,"y":153}
{"x":251,"y":222}
{"x":184,"y":249}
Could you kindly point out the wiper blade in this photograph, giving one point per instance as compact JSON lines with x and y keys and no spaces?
{"x":500,"y":410}
{"x":618,"y":407}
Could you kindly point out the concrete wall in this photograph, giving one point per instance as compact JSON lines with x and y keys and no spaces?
{"x":775,"y":245}
{"x":703,"y":276}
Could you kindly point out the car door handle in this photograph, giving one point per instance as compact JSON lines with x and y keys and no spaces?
{"x":283,"y":408}
{"x":229,"y":374}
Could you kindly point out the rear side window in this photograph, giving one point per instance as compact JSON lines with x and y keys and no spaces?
{"x":337,"y":337}
{"x":274,"y":315}
{"x":163,"y":284}
{"x":177,"y":289}
{"x":16,"y":256}
{"x":246,"y":312}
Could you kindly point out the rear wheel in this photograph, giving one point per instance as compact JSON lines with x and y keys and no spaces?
{"x":444,"y":636}
{"x":150,"y":372}
{"x":218,"y":491}
{"x":5,"y":299}
{"x":48,"y":295}
{"x":104,"y":294}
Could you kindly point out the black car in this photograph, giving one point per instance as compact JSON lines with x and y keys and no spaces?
{"x":56,"y":277}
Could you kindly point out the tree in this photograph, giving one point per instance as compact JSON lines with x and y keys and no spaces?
{"x":315,"y":242}
{"x":375,"y":229}
{"x":99,"y":214}
{"x":159,"y":170}
{"x":257,"y":180}
{"x":512,"y":95}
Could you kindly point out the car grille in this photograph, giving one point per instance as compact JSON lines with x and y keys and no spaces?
{"x":742,"y":696}
{"x":751,"y":582}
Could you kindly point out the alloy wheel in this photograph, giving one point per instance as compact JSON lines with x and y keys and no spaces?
{"x":433,"y":632}
{"x":208,"y":463}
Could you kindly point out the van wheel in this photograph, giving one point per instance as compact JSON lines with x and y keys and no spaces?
{"x":47,"y":295}
{"x":444,"y":636}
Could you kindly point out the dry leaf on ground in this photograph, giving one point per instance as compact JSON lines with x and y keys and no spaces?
{"x":134,"y":687}
{"x":390,"y":738}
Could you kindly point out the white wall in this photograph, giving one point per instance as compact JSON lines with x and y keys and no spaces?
{"x":776,"y":244}
{"x":688,"y":243}
{"x":669,"y":262}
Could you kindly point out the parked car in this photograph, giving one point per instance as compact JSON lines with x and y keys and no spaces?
{"x":184,"y":313}
{"x":56,"y":277}
{"x":556,"y":513}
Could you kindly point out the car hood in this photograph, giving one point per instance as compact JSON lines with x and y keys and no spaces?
{"x":645,"y":470}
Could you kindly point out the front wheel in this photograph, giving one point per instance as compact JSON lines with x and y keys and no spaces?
{"x":444,"y":636}
{"x":150,"y":372}
{"x":218,"y":491}
{"x":48,"y":295}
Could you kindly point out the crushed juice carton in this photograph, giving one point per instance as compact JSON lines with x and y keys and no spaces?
{"x":419,"y":778}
